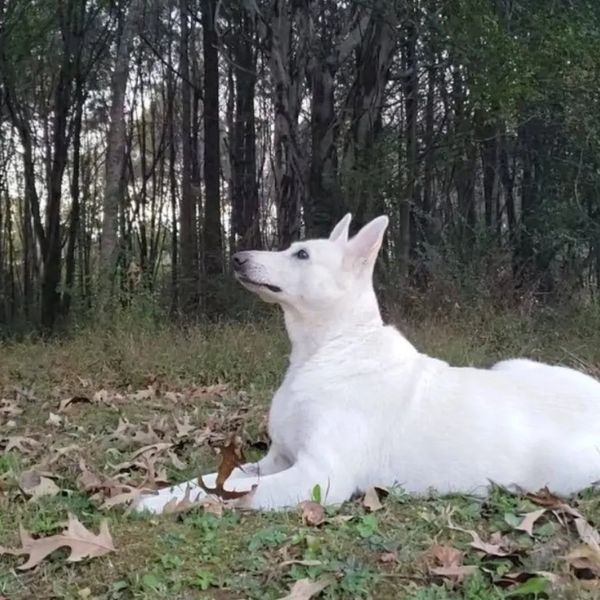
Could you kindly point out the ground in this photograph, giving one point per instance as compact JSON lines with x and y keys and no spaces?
{"x":135,"y":386}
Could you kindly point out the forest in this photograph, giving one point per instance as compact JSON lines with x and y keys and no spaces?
{"x":145,"y":142}
{"x":142,"y":142}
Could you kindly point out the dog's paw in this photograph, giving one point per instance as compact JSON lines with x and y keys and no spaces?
{"x":154,"y":503}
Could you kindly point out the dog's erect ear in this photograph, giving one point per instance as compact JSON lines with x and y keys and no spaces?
{"x":364,"y":246}
{"x":340,"y":231}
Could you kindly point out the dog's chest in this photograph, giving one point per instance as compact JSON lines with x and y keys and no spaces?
{"x":296,"y":409}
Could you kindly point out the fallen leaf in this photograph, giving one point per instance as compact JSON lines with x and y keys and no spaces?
{"x":388,"y":557}
{"x":304,"y":589}
{"x":82,"y":542}
{"x":185,"y":427}
{"x":127,"y":497}
{"x":20,"y":443}
{"x":446,"y":556}
{"x":8,"y":408}
{"x":587,"y":533}
{"x":303,"y":563}
{"x":547,"y":499}
{"x":58,"y":453}
{"x":586,"y":558}
{"x":312,"y":513}
{"x":35,"y":485}
{"x":145,"y":394}
{"x":54,"y":420}
{"x":340,"y":519}
{"x":213,"y":506}
{"x":176,"y":461}
{"x":152,"y":449}
{"x":529,"y":520}
{"x":457,"y":573}
{"x":186,"y":504}
{"x":211,"y":390}
{"x":496,"y":547}
{"x":232,"y":456}
{"x":64,"y":404}
{"x":447,"y":562}
{"x":371,"y":500}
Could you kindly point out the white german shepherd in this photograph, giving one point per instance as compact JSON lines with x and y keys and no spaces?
{"x":360,"y":406}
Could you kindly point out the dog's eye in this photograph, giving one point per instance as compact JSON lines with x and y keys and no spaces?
{"x":301,"y":254}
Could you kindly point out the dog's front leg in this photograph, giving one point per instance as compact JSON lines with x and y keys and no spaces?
{"x":287,"y":488}
{"x":241,"y":479}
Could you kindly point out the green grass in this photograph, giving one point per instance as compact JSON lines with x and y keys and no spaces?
{"x":242,"y":555}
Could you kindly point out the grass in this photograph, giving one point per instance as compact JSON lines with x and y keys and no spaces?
{"x":240,"y":555}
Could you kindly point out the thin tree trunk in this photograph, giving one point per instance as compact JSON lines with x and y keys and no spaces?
{"x":212,"y":237}
{"x":115,"y":157}
{"x":188,"y":274}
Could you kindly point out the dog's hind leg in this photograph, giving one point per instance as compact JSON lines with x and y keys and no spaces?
{"x":246,"y":476}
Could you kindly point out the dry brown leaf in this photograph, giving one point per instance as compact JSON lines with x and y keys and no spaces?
{"x":145,"y":394}
{"x":457,"y":573}
{"x":588,"y":534}
{"x":448,"y":563}
{"x":232,"y":456}
{"x":18,"y":442}
{"x":57,"y":453}
{"x":218,"y":389}
{"x":496,"y":546}
{"x":340,"y":519}
{"x":176,"y":461}
{"x":90,"y":481}
{"x":547,"y":499}
{"x":9,"y":408}
{"x":446,"y":556}
{"x":35,"y":485}
{"x":127,"y":497}
{"x":312,"y":513}
{"x":152,"y":449}
{"x":371,"y":500}
{"x":388,"y":557}
{"x":185,"y":427}
{"x":82,"y":542}
{"x":64,"y":404}
{"x":54,"y":420}
{"x":304,"y":563}
{"x":104,"y":397}
{"x":186,"y":504}
{"x":147,"y":438}
{"x":584,"y":557}
{"x":529,"y":520}
{"x":214,"y":506}
{"x":304,"y":589}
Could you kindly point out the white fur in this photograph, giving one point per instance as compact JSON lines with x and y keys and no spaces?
{"x":360,"y":406}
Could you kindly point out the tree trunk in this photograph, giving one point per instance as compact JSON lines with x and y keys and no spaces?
{"x":189,"y":272}
{"x":115,"y":156}
{"x":212,"y":238}
{"x":245,"y":206}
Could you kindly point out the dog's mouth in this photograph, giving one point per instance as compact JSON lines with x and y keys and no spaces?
{"x":272,"y":288}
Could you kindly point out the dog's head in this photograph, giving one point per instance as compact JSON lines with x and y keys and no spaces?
{"x":314,"y":275}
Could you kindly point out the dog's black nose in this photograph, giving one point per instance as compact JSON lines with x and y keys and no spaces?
{"x":239,"y":259}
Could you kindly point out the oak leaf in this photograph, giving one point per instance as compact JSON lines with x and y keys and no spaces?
{"x":371,"y":500}
{"x":232,"y":456}
{"x":312,"y":513}
{"x":82,"y":542}
{"x":529,"y":520}
{"x":304,"y":589}
{"x":35,"y":485}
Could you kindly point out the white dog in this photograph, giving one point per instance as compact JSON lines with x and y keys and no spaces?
{"x":360,"y":406}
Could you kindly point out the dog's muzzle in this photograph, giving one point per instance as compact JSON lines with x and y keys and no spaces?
{"x":244,"y":271}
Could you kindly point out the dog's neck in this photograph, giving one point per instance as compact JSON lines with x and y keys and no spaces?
{"x":309,"y":332}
